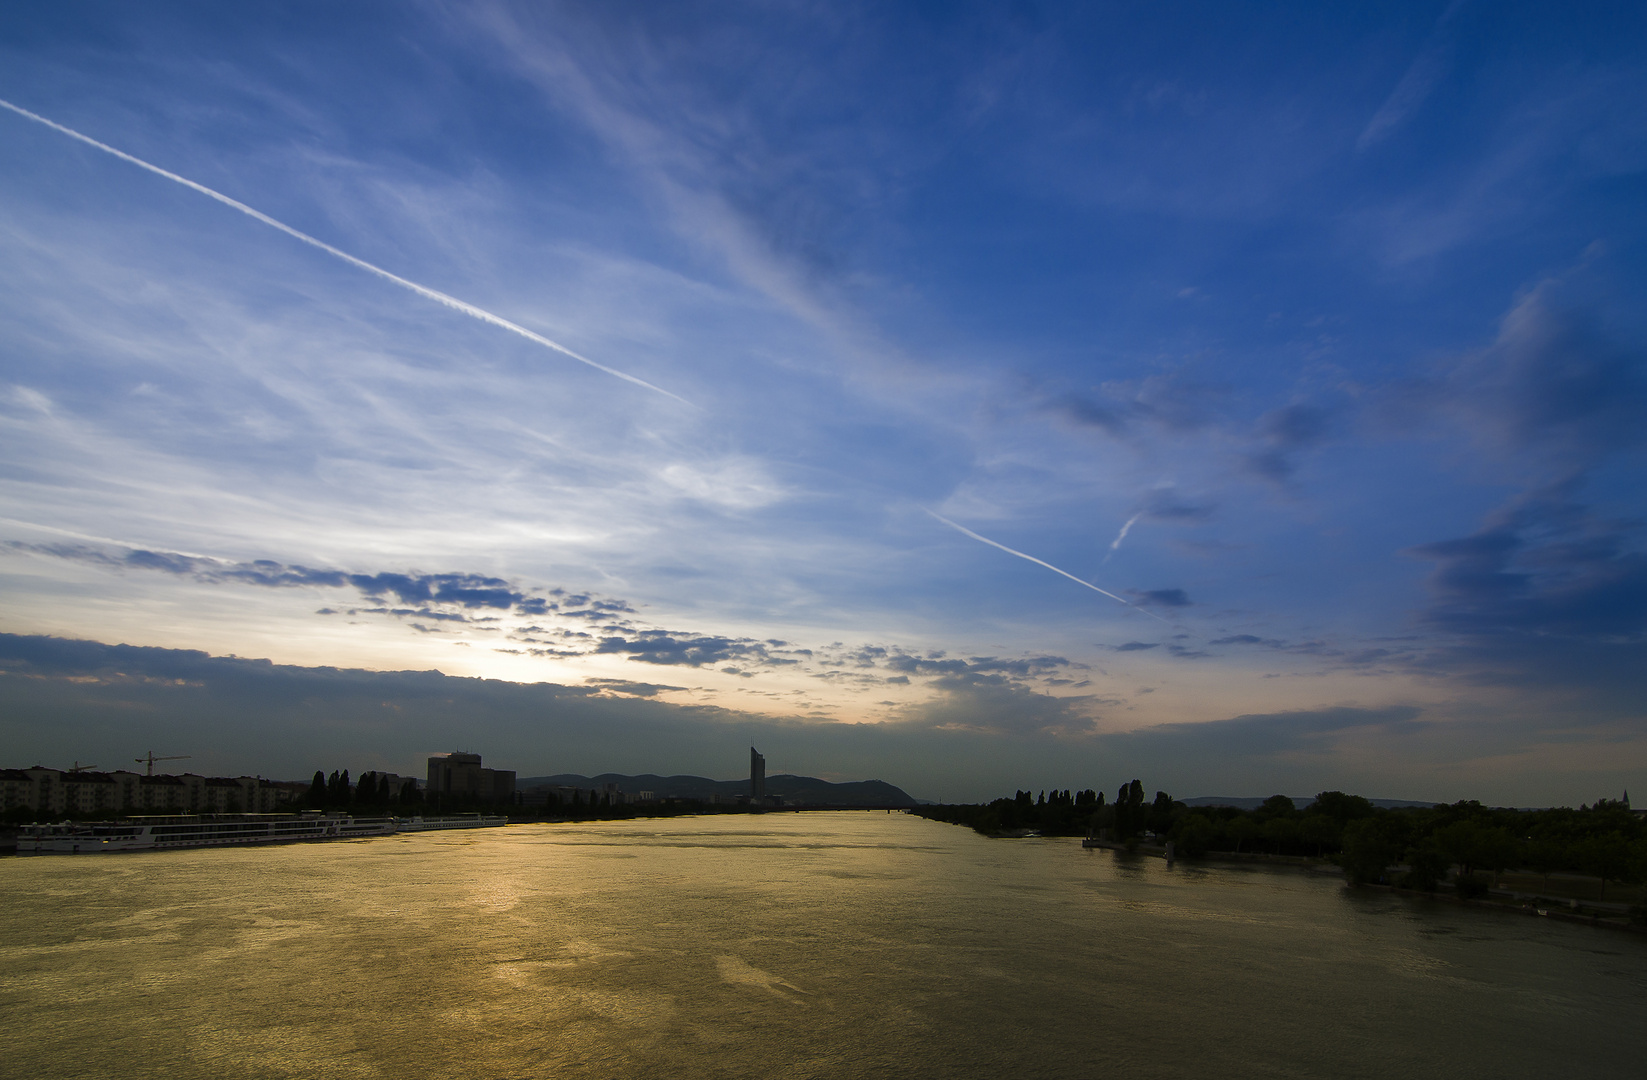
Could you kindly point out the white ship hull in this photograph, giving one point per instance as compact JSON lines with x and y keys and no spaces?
{"x":460,"y":821}
{"x":150,"y":834}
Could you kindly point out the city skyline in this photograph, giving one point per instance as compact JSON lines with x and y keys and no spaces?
{"x":1249,"y":402}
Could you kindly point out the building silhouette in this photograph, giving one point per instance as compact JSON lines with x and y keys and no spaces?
{"x":757,"y":774}
{"x":460,"y":776}
{"x":84,"y":791}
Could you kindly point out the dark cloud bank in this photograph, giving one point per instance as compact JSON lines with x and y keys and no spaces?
{"x":1550,"y":592}
{"x":980,"y":733}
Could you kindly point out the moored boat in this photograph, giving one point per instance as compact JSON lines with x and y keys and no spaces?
{"x":152,"y":833}
{"x":450,"y":821}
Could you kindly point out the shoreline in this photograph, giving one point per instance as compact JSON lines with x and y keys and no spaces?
{"x":1508,"y":905}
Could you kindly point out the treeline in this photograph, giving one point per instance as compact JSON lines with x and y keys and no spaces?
{"x":1416,"y":847}
{"x":373,"y":791}
{"x":1605,"y":840}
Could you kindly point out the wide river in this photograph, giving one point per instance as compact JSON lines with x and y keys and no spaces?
{"x":786,"y":945}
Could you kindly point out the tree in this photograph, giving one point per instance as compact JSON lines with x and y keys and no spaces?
{"x":1543,"y":856}
{"x":1368,"y":850}
{"x":1160,"y":814}
{"x":1341,"y":807}
{"x":1280,"y":833}
{"x":317,"y":790}
{"x":1194,"y":835}
{"x":1427,"y":864}
{"x":1129,"y":812}
{"x":1276,"y":806}
{"x":1608,"y":857}
{"x":1321,"y":830}
{"x":1474,"y":846}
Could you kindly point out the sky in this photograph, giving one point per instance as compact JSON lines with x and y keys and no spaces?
{"x":968,"y":396}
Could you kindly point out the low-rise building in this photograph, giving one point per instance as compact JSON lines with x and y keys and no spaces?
{"x":16,"y":790}
{"x":87,"y":793}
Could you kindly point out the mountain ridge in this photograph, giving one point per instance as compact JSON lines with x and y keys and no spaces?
{"x":795,"y":789}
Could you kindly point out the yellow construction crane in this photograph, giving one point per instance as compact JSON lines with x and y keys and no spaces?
{"x":151,"y":759}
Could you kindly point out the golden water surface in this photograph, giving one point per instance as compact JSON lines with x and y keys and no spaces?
{"x":852,"y":944}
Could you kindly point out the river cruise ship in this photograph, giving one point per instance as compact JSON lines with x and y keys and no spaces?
{"x":152,"y":833}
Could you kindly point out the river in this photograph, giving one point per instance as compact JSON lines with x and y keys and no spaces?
{"x":827,"y":945}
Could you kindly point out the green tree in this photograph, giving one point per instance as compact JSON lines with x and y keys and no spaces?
{"x":1477,"y":846}
{"x":1280,"y":833}
{"x":1543,"y":856}
{"x":1129,"y":812}
{"x":1427,"y":865}
{"x":1194,"y":835}
{"x":337,"y":788}
{"x":317,"y":790}
{"x":1341,"y":807}
{"x":1276,"y":806}
{"x":1609,"y":857}
{"x":1320,"y":831}
{"x":1369,"y":849}
{"x":1160,"y":814}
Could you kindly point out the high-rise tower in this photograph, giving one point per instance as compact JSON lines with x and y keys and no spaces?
{"x":757,"y":774}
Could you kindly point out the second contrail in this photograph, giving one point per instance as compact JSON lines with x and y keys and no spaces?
{"x":1043,"y":562}
{"x":1115,"y":545}
{"x":422,"y":290}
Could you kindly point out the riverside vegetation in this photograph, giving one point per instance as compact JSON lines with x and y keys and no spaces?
{"x":1599,"y":850}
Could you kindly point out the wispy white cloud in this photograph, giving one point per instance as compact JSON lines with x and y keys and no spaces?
{"x":1419,"y":80}
{"x":422,"y":290}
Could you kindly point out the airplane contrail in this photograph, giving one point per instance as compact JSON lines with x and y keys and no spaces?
{"x":1115,"y":545}
{"x":422,"y":290}
{"x":1042,"y":562}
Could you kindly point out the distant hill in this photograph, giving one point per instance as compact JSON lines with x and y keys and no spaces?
{"x":793,"y":789}
{"x":1243,"y":802}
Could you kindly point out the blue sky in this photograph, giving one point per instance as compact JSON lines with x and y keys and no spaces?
{"x":1313,"y":334}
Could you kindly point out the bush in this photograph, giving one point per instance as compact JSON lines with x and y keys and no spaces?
{"x":1470,"y":886}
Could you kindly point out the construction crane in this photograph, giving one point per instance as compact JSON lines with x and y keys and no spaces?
{"x":81,"y":768}
{"x":151,"y":759}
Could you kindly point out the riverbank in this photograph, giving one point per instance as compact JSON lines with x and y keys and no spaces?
{"x":1514,"y":904}
{"x":1612,"y":916}
{"x":1159,"y":851}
